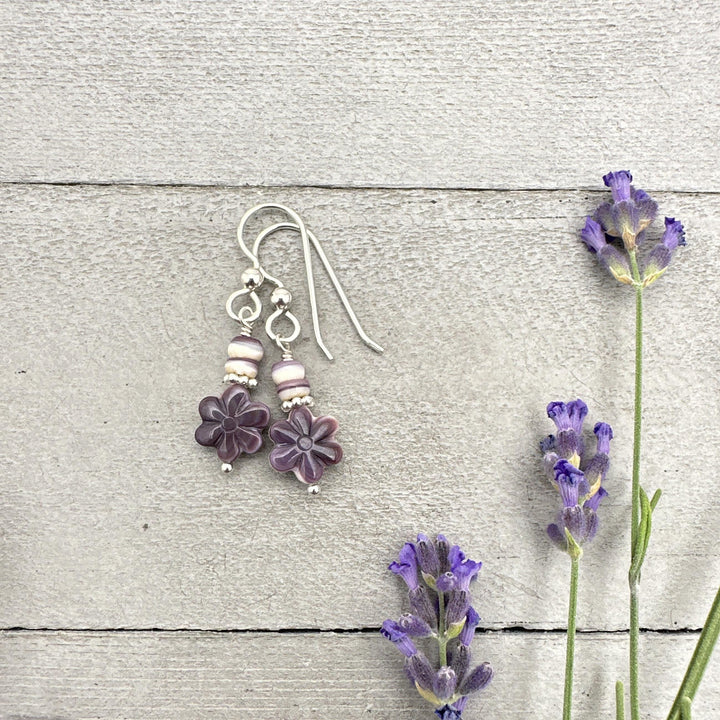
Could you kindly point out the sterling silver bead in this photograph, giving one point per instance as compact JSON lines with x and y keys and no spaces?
{"x":226,"y":467}
{"x":251,"y":278}
{"x":313,"y":489}
{"x":281,"y":297}
{"x":237,"y":379}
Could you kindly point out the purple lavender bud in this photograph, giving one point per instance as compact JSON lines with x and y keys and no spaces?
{"x":577,"y":411}
{"x":606,"y":217}
{"x":427,"y":556}
{"x":471,"y":622}
{"x":647,"y":210}
{"x":460,"y":661}
{"x":443,"y":551}
{"x":414,"y":626}
{"x":568,"y":416}
{"x":421,"y":671}
{"x":655,"y":264}
{"x":569,"y":444}
{"x":549,"y":462}
{"x":446,"y":582}
{"x":573,"y":518}
{"x":547,"y":444}
{"x":616,"y":263}
{"x":593,"y":502}
{"x":459,"y":705}
{"x":619,"y":184}
{"x":571,"y":483}
{"x":557,"y":412}
{"x":445,"y":682}
{"x":423,"y":606}
{"x":406,"y":566}
{"x":674,"y":234}
{"x":627,"y":221}
{"x":557,"y":535}
{"x":477,"y":679}
{"x":660,"y":256}
{"x":604,"y":434}
{"x":593,"y":236}
{"x":396,"y":635}
{"x":465,"y":573}
{"x":591,"y":524}
{"x":595,"y":471}
{"x":456,"y":556}
{"x":448,"y":712}
{"x":457,"y":606}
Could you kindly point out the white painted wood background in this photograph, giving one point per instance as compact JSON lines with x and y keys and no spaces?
{"x":446,"y":155}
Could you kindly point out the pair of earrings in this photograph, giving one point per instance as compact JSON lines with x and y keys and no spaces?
{"x":232,"y":423}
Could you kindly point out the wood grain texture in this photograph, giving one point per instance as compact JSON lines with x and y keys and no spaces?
{"x":293,"y":677}
{"x":488,"y":306}
{"x":464,"y":94}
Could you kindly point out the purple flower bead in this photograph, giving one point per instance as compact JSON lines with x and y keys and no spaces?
{"x":305,"y":445}
{"x":232,"y":423}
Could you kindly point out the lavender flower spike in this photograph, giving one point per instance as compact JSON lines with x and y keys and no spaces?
{"x":578,"y":478}
{"x":628,"y":217}
{"x":438,"y":577}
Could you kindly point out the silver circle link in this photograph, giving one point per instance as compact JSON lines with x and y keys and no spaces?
{"x":247,"y":314}
{"x":282,"y":342}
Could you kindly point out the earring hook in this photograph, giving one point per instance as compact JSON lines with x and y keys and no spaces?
{"x":308,"y":238}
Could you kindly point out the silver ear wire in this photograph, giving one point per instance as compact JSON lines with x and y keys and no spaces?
{"x":297,"y":225}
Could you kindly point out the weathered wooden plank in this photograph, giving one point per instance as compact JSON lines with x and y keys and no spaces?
{"x":289,"y":677}
{"x":464,"y":94}
{"x":488,"y":306}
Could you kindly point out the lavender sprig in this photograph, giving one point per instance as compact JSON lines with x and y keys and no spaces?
{"x":628,"y":217}
{"x":578,"y":479}
{"x":438,"y":578}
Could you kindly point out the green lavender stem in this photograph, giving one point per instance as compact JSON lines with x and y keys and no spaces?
{"x":619,"y":700}
{"x":570,"y":651}
{"x":635,"y":517}
{"x":698,"y":663}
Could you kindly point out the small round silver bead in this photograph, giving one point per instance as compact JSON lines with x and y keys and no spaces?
{"x":240,"y":380}
{"x":281,"y":297}
{"x":226,"y":467}
{"x":287,"y":405}
{"x":313,"y":489}
{"x":251,"y":278}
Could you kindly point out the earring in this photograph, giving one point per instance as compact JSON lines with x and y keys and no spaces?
{"x":304,"y":443}
{"x":232,"y":423}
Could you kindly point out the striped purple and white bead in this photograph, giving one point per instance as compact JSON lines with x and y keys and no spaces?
{"x":290,"y":382}
{"x":244,"y":356}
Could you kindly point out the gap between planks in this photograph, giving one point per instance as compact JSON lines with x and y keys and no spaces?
{"x":344,"y":188}
{"x":509,"y":630}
